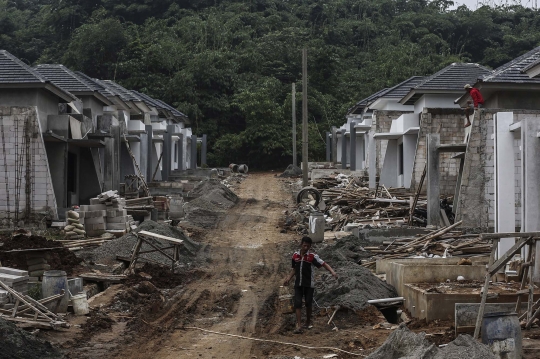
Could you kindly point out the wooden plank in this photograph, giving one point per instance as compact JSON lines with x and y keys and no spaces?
{"x":484,"y":294}
{"x":508,"y":255}
{"x":102,"y":277}
{"x":509,"y":235}
{"x":159,"y":236}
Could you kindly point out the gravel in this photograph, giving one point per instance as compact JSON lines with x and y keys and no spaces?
{"x":346,"y":249}
{"x":212,"y":202}
{"x":354,"y":287}
{"x":124,"y":245}
{"x":404,"y":344}
{"x":16,"y":343}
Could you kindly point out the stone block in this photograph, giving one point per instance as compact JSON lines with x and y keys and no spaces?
{"x":121,"y":219}
{"x":116,"y":226}
{"x":94,"y":232}
{"x":116,"y":212}
{"x":13,"y":271}
{"x":93,"y":207}
{"x":94,"y":214}
{"x":94,"y":220}
{"x":95,"y":226}
{"x":40,"y":266}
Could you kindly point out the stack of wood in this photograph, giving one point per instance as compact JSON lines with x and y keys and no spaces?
{"x":74,"y":229}
{"x":75,"y":245}
{"x":161,"y":203}
{"x":445,"y":241}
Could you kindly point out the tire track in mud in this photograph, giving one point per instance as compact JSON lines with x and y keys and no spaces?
{"x":245,"y":256}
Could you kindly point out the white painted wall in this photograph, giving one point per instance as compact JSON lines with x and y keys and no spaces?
{"x":409,"y":153}
{"x":435,"y":101}
{"x":390,"y":165}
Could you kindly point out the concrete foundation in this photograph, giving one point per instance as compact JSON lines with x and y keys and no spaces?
{"x":383,"y":265}
{"x":433,"y":306}
{"x":401,"y":274}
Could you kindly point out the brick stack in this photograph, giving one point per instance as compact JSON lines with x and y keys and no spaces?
{"x":15,"y":279}
{"x":37,"y":264}
{"x":74,"y":228}
{"x":106,"y":213}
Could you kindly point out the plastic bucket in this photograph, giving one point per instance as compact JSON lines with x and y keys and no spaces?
{"x":80,"y":304}
{"x":54,"y":281}
{"x":502,"y":333}
{"x":316,"y":227}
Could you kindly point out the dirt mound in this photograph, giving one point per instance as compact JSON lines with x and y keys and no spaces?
{"x":350,"y":248}
{"x":354,"y":287}
{"x":17,"y":343}
{"x":161,"y":276}
{"x":212,"y":202}
{"x":58,"y":259}
{"x":98,"y":322}
{"x":404,"y":344}
{"x":123,"y":246}
{"x":291,"y":171}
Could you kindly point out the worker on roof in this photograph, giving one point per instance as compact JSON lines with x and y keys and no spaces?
{"x":303,"y":262}
{"x":477,"y":102}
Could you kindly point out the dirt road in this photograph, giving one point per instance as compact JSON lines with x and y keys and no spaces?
{"x":245,"y":263}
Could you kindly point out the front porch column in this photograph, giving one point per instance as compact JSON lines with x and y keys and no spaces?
{"x":433,"y":190}
{"x":352,"y":131}
{"x":167,"y":153}
{"x":505,"y":198}
{"x":328,"y":147}
{"x":372,"y":159}
{"x":334,"y":145}
{"x":181,"y":162}
{"x":193,"y":152}
{"x":203,"y":150}
{"x":149,"y":154}
{"x":343,"y":149}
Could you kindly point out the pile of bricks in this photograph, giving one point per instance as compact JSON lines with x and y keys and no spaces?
{"x":15,"y":279}
{"x":106,"y":213}
{"x":74,"y":228}
{"x":37,"y":264}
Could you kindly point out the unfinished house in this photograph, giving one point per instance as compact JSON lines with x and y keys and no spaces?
{"x":434,"y":112}
{"x":28,"y":101}
{"x":499,"y":187}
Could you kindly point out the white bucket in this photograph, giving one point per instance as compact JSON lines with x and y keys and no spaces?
{"x":80,"y":304}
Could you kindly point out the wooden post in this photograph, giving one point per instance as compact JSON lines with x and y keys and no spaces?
{"x":485,"y":292}
{"x":304,"y":120}
{"x":531,"y":284}
{"x":294,"y":158}
{"x":524,"y":280}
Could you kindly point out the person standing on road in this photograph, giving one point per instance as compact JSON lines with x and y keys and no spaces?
{"x":477,"y":101}
{"x":304,"y":285}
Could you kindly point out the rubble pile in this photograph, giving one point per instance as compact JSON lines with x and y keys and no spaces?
{"x":234,"y":180}
{"x":403,"y":343}
{"x":347,"y":200}
{"x":444,"y":242}
{"x":212,"y":200}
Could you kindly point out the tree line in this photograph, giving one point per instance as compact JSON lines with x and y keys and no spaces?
{"x":229,"y":64}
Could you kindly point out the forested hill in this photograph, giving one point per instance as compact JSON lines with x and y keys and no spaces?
{"x":229,"y":64}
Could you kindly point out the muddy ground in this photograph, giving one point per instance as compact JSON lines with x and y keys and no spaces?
{"x":234,"y":290}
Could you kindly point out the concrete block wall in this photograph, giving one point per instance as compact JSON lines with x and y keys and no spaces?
{"x":381,"y":123}
{"x":449,"y":124}
{"x":12,"y":153}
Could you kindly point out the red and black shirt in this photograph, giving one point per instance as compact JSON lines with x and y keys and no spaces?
{"x":303,"y":266}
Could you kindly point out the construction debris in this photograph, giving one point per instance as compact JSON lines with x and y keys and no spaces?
{"x":292,"y":171}
{"x":403,"y":343}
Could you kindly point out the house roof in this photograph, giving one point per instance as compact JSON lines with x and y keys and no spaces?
{"x":67,"y":80}
{"x":515,"y":70}
{"x":160,"y":104}
{"x":360,"y":105}
{"x":124,"y":93}
{"x":450,"y":79}
{"x":15,"y":73}
{"x":94,"y":84}
{"x":403,"y":88}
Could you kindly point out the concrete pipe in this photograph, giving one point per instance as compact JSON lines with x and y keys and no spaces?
{"x":243,"y":169}
{"x":233,"y":167}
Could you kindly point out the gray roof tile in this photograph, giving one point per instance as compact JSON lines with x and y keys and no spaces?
{"x":402,"y":88}
{"x":453,"y":77}
{"x":94,"y":84}
{"x":124,"y":93}
{"x":514,"y":71}
{"x":14,"y":71}
{"x":63,"y":77}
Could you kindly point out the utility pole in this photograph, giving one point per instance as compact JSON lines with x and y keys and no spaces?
{"x":294,"y":157}
{"x":304,"y":120}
